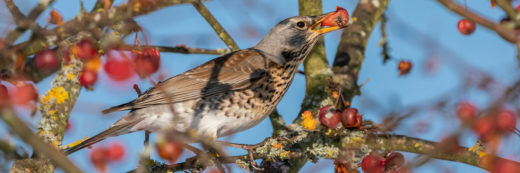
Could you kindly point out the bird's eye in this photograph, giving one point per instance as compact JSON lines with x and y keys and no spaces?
{"x":300,"y":24}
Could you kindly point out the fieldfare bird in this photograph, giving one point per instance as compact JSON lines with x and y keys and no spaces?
{"x":228,"y":94}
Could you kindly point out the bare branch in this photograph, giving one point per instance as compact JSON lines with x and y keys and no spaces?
{"x":180,"y":49}
{"x":47,"y":150}
{"x":215,"y":25}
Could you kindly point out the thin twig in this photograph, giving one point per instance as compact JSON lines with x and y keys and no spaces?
{"x":180,"y":49}
{"x":215,"y":25}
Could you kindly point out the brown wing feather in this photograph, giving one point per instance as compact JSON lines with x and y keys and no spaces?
{"x":234,"y":71}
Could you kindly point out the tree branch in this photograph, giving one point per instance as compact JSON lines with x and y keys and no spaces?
{"x":180,"y":49}
{"x":39,"y":146}
{"x":327,"y":145}
{"x":215,"y":25}
{"x":351,"y":49}
{"x":13,"y":35}
{"x":55,"y":108}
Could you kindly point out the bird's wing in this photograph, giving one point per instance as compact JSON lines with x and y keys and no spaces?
{"x":234,"y":71}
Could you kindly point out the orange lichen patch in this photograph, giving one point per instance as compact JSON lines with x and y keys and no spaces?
{"x":77,"y":142}
{"x":59,"y":94}
{"x":93,"y":64}
{"x":335,"y":94}
{"x":278,"y":146}
{"x":56,"y":18}
{"x":308,"y":122}
{"x":70,"y":76}
{"x":285,"y":154}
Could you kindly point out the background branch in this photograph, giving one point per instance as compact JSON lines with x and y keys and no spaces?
{"x":51,"y":152}
{"x":215,"y":25}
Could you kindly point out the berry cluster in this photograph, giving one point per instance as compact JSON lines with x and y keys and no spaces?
{"x":374,"y":163}
{"x":490,"y":125}
{"x":330,"y":117}
{"x":101,"y":156}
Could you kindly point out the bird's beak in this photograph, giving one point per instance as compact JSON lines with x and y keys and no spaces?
{"x":330,"y":21}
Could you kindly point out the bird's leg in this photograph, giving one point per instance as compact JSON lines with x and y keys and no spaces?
{"x":249,"y":148}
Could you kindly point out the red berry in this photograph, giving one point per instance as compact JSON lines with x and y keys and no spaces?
{"x":88,"y":78}
{"x":484,"y":127}
{"x":329,"y":116}
{"x":46,"y":60}
{"x":351,"y":118}
{"x":147,"y":62}
{"x":98,"y":158}
{"x":86,"y":49}
{"x":115,"y":152}
{"x":394,"y":161}
{"x":338,"y":18}
{"x":118,"y":69}
{"x":4,"y":95}
{"x":67,"y":128}
{"x":169,"y":151}
{"x":466,"y":27}
{"x":506,"y":120}
{"x":505,"y":166}
{"x":404,"y":67}
{"x":24,"y":94}
{"x":518,"y":8}
{"x":466,"y":111}
{"x":373,"y":164}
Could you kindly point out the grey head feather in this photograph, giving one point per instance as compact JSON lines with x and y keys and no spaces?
{"x":286,"y":36}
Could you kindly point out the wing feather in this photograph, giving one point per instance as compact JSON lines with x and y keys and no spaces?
{"x":234,"y":71}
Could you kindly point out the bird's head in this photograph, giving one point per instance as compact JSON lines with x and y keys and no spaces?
{"x":292,"y":38}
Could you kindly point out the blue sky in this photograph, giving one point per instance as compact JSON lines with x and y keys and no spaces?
{"x":183,"y":25}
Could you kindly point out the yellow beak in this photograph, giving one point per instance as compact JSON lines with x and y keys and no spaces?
{"x":316,"y":26}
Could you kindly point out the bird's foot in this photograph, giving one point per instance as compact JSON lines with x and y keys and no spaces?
{"x":249,"y":148}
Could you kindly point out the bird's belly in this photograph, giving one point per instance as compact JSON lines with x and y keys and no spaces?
{"x":212,"y":123}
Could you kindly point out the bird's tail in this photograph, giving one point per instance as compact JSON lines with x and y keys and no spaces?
{"x":115,"y":130}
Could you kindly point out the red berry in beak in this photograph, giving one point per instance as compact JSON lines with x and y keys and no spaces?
{"x":338,"y":18}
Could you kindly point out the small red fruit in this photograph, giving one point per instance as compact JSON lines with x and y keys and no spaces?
{"x":46,"y":60}
{"x":119,"y":69}
{"x":67,"y":128}
{"x":24,"y":94}
{"x":88,"y":78}
{"x":85,"y":49}
{"x":169,"y":151}
{"x":4,"y":95}
{"x":466,"y":111}
{"x":394,"y":161}
{"x":373,"y":164}
{"x":98,"y":158}
{"x":466,"y":27}
{"x":115,"y":152}
{"x":485,"y":128}
{"x":404,"y":67}
{"x":338,"y":18}
{"x":518,"y":8}
{"x":147,"y":62}
{"x":506,"y":120}
{"x":505,"y":166}
{"x":329,"y":116}
{"x":351,"y":118}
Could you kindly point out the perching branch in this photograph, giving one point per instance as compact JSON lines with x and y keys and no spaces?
{"x":327,"y":145}
{"x":215,"y":25}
